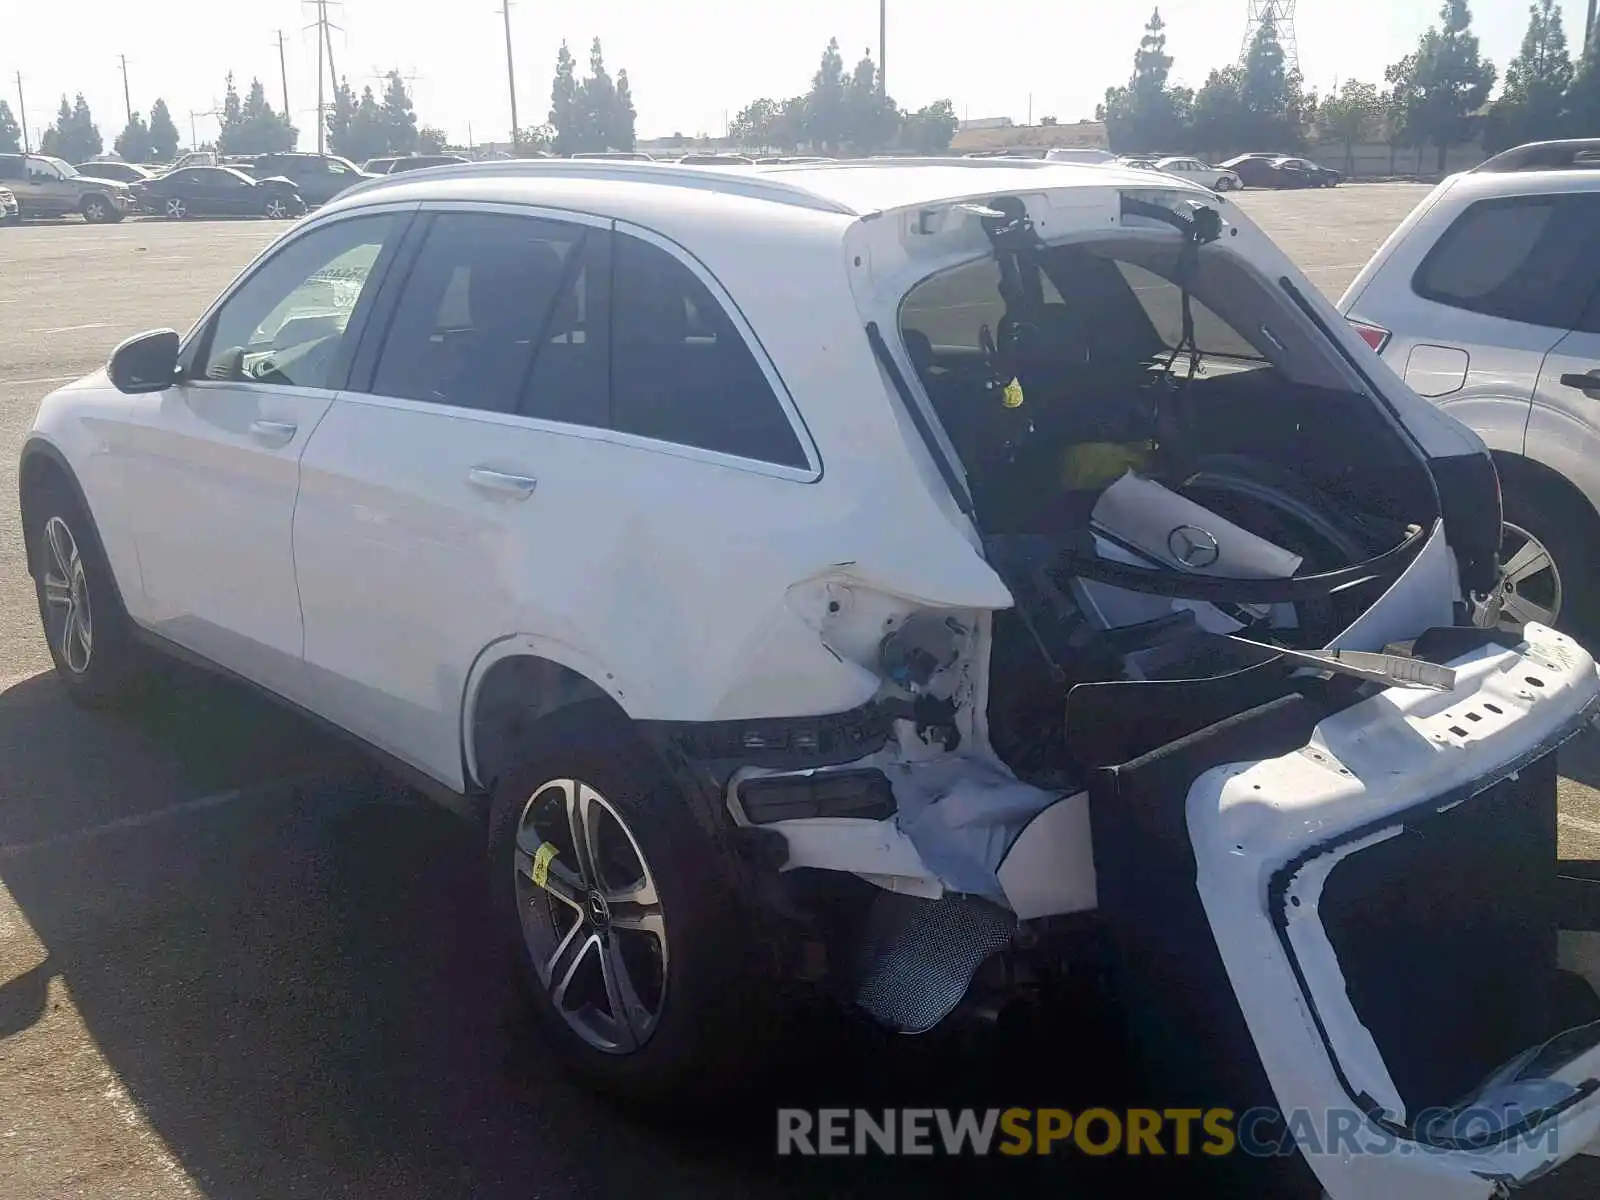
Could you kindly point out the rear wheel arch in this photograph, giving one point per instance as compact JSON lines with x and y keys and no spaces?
{"x":512,"y":689}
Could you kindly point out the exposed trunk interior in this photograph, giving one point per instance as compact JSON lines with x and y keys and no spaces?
{"x":1065,"y":377}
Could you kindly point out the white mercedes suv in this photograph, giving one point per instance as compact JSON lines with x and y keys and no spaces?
{"x":867,"y":573}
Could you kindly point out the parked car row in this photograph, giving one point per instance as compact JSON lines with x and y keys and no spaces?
{"x":201,"y":183}
{"x":1281,"y":171}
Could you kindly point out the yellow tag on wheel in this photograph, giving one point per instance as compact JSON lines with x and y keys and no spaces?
{"x":541,"y":862}
{"x":1012,"y":396}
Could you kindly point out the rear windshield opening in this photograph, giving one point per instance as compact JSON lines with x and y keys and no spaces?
{"x":1107,"y":383}
{"x":1074,"y":366}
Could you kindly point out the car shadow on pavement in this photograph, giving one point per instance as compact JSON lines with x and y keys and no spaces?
{"x":286,"y":961}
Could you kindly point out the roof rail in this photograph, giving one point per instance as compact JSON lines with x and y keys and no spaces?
{"x":754,"y":185}
{"x":1566,"y":154}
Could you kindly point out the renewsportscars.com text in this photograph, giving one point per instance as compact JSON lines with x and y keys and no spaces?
{"x":1147,"y":1132}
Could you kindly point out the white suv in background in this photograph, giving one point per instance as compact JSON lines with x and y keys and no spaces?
{"x":1486,"y":299}
{"x":908,"y":578}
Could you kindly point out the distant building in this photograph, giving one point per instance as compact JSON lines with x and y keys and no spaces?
{"x":973,"y":137}
{"x":987,"y":123}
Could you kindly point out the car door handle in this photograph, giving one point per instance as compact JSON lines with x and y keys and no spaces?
{"x":1584,"y":383}
{"x":490,"y":480}
{"x":274,"y":433}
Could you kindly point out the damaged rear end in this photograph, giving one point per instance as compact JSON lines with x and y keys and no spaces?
{"x":1210,"y":691}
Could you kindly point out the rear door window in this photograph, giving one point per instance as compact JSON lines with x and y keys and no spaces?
{"x":1530,"y":259}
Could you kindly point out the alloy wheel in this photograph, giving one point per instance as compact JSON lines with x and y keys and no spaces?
{"x":276,"y":209}
{"x":591,"y":914}
{"x":69,"y":620}
{"x":1530,"y":581}
{"x":177,"y":209}
{"x":94,"y":211}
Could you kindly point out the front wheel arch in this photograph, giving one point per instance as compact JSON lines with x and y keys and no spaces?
{"x":42,"y":464}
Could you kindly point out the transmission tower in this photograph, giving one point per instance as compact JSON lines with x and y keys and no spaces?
{"x":1280,"y":13}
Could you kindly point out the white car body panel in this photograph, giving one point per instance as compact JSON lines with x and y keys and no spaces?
{"x":1378,"y":759}
{"x":213,"y":472}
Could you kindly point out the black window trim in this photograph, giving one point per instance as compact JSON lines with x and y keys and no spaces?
{"x":1446,"y":240}
{"x":364,"y":363}
{"x":196,"y":344}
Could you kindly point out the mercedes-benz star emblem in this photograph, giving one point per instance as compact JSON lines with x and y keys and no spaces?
{"x":1193,"y":547}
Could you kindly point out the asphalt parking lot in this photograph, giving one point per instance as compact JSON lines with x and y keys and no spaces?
{"x":234,"y":962}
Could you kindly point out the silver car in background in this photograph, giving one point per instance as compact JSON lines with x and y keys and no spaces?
{"x":1486,"y":299}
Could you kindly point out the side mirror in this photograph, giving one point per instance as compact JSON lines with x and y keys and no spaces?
{"x":147,"y":362}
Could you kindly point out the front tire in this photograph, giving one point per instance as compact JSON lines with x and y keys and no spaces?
{"x":1546,"y":572}
{"x":85,"y":625}
{"x":176,"y":209}
{"x":276,"y":209}
{"x":97,"y":210}
{"x":630,"y":950}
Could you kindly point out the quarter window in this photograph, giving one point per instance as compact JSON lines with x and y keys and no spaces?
{"x":681,"y":371}
{"x":1529,"y":258}
{"x":286,"y":324}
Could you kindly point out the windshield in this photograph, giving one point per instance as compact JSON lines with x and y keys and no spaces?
{"x":67,"y":170}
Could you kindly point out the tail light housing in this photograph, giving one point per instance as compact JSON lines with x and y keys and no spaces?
{"x":1373,"y":335}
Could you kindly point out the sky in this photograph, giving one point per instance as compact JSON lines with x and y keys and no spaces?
{"x":691,"y":65}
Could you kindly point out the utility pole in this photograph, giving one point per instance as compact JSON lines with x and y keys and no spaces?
{"x":511,"y":75}
{"x":324,"y":55}
{"x":283,"y":75}
{"x":883,"y":46}
{"x":1588,"y":29}
{"x":127,"y":101}
{"x":22,"y":107}
{"x":322,"y":111}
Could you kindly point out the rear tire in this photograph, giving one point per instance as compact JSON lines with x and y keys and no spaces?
{"x":86,"y":627}
{"x":702,"y":1014}
{"x":276,"y":209}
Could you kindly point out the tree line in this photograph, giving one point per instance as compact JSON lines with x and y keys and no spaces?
{"x":357,"y":128}
{"x":843,"y":112}
{"x":1436,"y":96}
{"x":74,"y":136}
